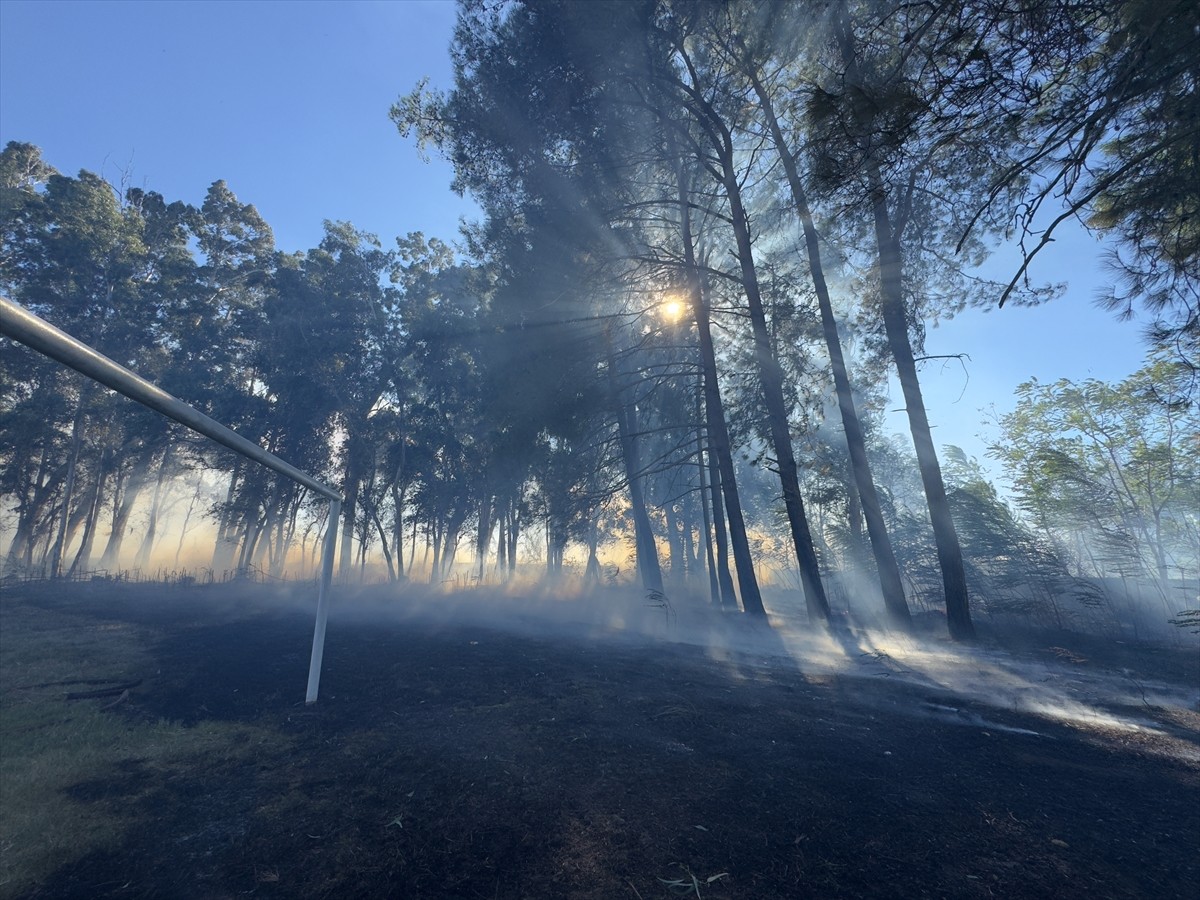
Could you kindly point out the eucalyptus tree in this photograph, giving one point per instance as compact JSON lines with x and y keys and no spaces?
{"x":762,"y":45}
{"x":112,"y":271}
{"x":22,"y":172}
{"x":573,"y":125}
{"x":884,"y":149}
{"x":306,"y":332}
{"x":168,"y":275}
{"x":690,"y":79}
{"x":284,"y":406}
{"x":32,"y":406}
{"x":541,"y":165}
{"x":542,"y":398}
{"x":348,"y":269}
{"x":237,"y":258}
{"x":439,"y":306}
{"x":1109,"y":471}
{"x":389,"y":476}
{"x":237,"y":261}
{"x":75,"y":253}
{"x":573,"y":478}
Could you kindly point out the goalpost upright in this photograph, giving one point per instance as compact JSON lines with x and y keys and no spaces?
{"x":21,"y":325}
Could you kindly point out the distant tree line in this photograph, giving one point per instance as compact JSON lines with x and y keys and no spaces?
{"x":711,"y":230}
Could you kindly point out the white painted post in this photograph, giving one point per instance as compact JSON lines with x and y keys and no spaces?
{"x":21,"y":325}
{"x":318,"y":648}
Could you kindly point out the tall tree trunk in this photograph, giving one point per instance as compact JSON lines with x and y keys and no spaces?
{"x":723,"y":481}
{"x":483,"y":536}
{"x":42,"y":545}
{"x":124,"y":498}
{"x":687,"y":515}
{"x":84,"y":555}
{"x":514,"y":534}
{"x":143,"y":555}
{"x":398,"y":524}
{"x":555,"y":546}
{"x":856,"y":551}
{"x":254,"y":529}
{"x":450,"y":551}
{"x":714,"y":585}
{"x":57,"y":550}
{"x":771,"y":376}
{"x":276,"y":540}
{"x":676,"y":568}
{"x":591,"y":572}
{"x":28,"y":504}
{"x":895,"y":321}
{"x":646,"y":548}
{"x":769,"y":369}
{"x":286,"y":533}
{"x":716,"y":490}
{"x":435,"y":571}
{"x":262,"y":559}
{"x":502,"y":542}
{"x":383,"y":540}
{"x":78,"y":518}
{"x":187,"y":516}
{"x":412,"y":556}
{"x":363,"y":548}
{"x":226,"y":545}
{"x":20,"y":548}
{"x":400,"y":572}
{"x":349,"y":514}
{"x":881,"y":543}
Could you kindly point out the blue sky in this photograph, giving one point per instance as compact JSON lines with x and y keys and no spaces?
{"x":288,"y":102}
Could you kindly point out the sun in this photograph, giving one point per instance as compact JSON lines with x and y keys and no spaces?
{"x":672,"y":309}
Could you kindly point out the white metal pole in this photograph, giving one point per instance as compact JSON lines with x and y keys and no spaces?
{"x":20,"y":324}
{"x":318,"y":648}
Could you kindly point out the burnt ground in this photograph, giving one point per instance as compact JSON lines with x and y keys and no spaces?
{"x":462,"y":761}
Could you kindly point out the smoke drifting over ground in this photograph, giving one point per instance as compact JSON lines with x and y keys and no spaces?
{"x":539,"y":728}
{"x":920,"y":675}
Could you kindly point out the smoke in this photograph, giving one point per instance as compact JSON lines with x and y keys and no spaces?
{"x":983,"y":687}
{"x":1062,"y":691}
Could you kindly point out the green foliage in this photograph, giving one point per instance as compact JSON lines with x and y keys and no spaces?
{"x":1134,"y":111}
{"x":619,"y":153}
{"x":1111,"y":470}
{"x":1011,"y":569}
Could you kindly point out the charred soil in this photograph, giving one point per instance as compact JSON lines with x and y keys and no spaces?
{"x":460,"y":761}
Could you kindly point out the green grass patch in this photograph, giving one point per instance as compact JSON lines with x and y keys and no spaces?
{"x":57,"y":755}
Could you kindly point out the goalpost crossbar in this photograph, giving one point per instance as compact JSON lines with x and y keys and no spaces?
{"x":21,"y":325}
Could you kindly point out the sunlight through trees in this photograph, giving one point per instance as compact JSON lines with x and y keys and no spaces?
{"x":711,"y":231}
